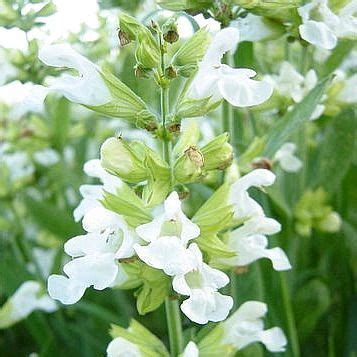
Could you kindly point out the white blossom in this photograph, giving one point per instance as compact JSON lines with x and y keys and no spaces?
{"x":244,"y":206}
{"x":205,"y":303}
{"x":322,"y":27}
{"x":286,"y":158}
{"x":18,"y":164}
{"x":168,"y":235}
{"x":26,"y":299}
{"x":95,"y":256}
{"x":291,"y":84}
{"x":120,"y":347}
{"x":93,"y":193}
{"x":22,"y":98}
{"x":250,"y":244}
{"x":46,"y":157}
{"x":222,"y":81}
{"x":246,"y":326}
{"x":88,"y":88}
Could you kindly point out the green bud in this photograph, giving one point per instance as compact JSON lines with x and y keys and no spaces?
{"x":147,"y":51}
{"x":171,"y":72}
{"x":330,"y":223}
{"x":216,"y":213}
{"x":193,"y":50}
{"x":129,"y":28}
{"x":126,"y":203}
{"x":159,"y":181}
{"x":190,"y":135}
{"x":147,"y":342}
{"x":120,"y":158}
{"x":218,"y":153}
{"x":188,"y":167}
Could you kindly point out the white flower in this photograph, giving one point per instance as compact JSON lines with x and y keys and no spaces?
{"x":286,"y":158}
{"x":321,"y":27}
{"x":191,"y":350}
{"x":88,"y":88}
{"x":250,"y":244}
{"x":244,"y":206}
{"x":93,"y":193}
{"x":19,"y":165}
{"x":168,"y":235}
{"x":22,"y":98}
{"x":26,"y":299}
{"x":46,"y":157}
{"x":245,"y":326}
{"x":172,"y":219}
{"x":253,"y":28}
{"x":291,"y":84}
{"x":205,"y":303}
{"x":120,"y":347}
{"x":222,"y":81}
{"x":96,"y":254}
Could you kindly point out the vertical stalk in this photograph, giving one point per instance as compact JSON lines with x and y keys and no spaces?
{"x":173,"y":315}
{"x":292,"y":331}
{"x":173,"y":318}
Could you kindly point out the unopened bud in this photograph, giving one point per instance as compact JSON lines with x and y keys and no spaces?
{"x":129,"y":28}
{"x":188,"y":167}
{"x":147,"y":51}
{"x":218,"y":153}
{"x":330,"y":223}
{"x":124,"y":160}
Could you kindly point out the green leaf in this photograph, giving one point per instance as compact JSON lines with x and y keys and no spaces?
{"x":335,"y":153}
{"x":51,"y":218}
{"x":293,"y":120}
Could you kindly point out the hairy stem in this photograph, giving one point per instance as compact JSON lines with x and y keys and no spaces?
{"x":173,"y":318}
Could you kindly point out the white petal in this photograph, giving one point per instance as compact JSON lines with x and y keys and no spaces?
{"x":120,"y":347}
{"x":149,"y":232}
{"x":256,"y":178}
{"x":65,"y":290}
{"x":206,"y":305}
{"x":179,"y":284}
{"x":99,"y":219}
{"x":168,"y":254}
{"x":318,"y":34}
{"x":250,"y":310}
{"x":257,"y":225}
{"x":97,"y":270}
{"x":89,"y":88}
{"x":274,"y":339}
{"x":253,"y":28}
{"x":172,"y":206}
{"x":213,"y":277}
{"x":225,"y":40}
{"x":239,"y":90}
{"x":191,"y":350}
{"x":278,"y":258}
{"x":189,"y":230}
{"x":290,"y":163}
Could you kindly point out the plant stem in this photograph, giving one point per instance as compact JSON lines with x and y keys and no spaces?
{"x":293,"y":337}
{"x":173,"y":318}
{"x":173,"y":315}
